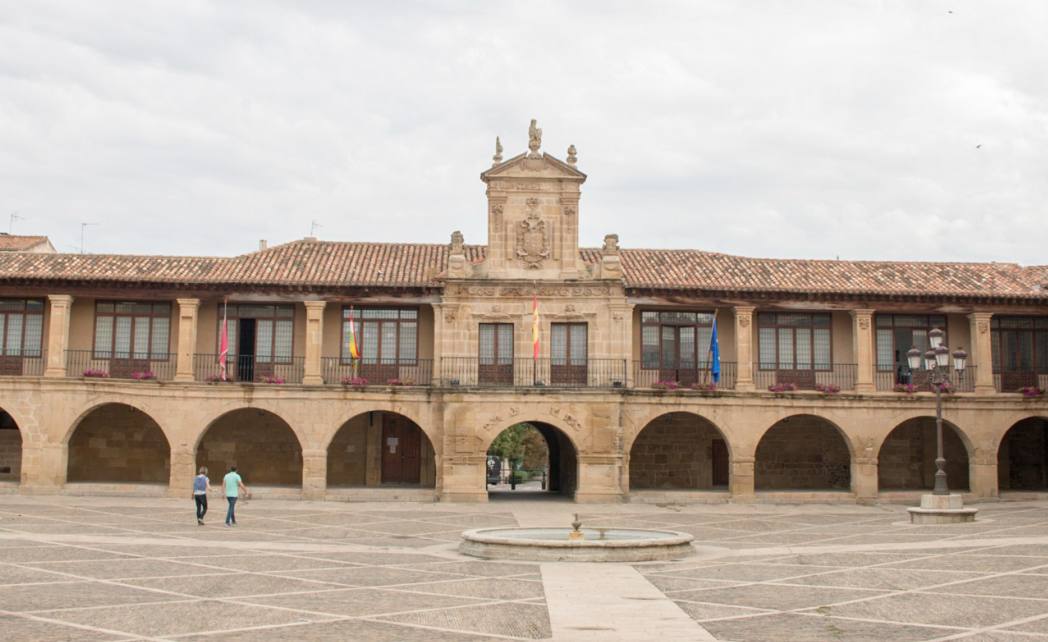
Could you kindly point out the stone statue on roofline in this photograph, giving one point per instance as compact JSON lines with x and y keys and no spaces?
{"x":497,"y":158}
{"x":534,"y":138}
{"x":610,"y":263}
{"x":458,"y":267}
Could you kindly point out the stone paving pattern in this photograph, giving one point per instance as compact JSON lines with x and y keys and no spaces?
{"x":91,"y":568}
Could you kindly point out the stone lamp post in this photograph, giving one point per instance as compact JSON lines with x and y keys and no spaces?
{"x":939,"y":507}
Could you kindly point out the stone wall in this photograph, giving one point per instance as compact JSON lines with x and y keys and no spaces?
{"x":1022,"y":461}
{"x":907,"y":457}
{"x":260,"y":444}
{"x":347,"y":462}
{"x":674,"y":452}
{"x":802,"y":453}
{"x":117,"y":443}
{"x":10,"y":453}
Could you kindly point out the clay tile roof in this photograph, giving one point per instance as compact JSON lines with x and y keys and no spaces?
{"x":14,"y":243}
{"x":335,"y":264}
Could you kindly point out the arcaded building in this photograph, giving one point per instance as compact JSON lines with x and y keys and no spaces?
{"x":111,"y":381}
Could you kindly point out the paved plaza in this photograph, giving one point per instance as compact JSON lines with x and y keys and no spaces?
{"x":75,"y":568}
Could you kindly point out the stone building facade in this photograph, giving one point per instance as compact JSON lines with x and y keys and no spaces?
{"x":111,"y":380}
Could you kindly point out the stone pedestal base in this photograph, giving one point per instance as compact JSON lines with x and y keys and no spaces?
{"x":942,"y":509}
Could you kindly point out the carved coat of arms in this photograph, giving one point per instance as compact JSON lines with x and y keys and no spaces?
{"x":532,"y":238}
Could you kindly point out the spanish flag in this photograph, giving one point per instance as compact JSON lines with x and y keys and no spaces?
{"x":354,"y":352}
{"x":535,"y":327}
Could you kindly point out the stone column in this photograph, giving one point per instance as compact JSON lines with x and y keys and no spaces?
{"x":598,"y":479}
{"x":43,"y":467}
{"x":742,"y":486}
{"x":314,"y":474}
{"x":862,"y":345}
{"x":864,"y":479}
{"x":58,"y":334}
{"x":313,"y":375}
{"x":183,"y":470}
{"x":982,"y":473}
{"x":744,"y":347}
{"x":187,"y":336}
{"x":981,"y":353}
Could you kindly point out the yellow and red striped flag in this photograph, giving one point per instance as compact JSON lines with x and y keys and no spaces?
{"x":354,"y":352}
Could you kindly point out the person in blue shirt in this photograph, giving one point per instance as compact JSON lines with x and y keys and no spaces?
{"x":200,"y":484}
{"x":233,"y":485}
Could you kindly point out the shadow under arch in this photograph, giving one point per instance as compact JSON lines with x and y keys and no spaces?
{"x":1022,"y":456}
{"x":118,"y":443}
{"x":906,"y":459}
{"x":381,"y":448}
{"x":680,"y":450}
{"x":11,"y":440}
{"x":259,"y":442}
{"x":562,"y":464}
{"x":803,"y":452}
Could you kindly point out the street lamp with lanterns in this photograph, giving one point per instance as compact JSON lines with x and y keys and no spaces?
{"x":937,"y":364}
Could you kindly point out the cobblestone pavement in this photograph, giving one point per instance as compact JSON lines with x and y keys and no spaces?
{"x":76,"y":568}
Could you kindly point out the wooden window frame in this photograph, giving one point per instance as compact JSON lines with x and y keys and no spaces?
{"x":1038,"y":330}
{"x":659,"y":323}
{"x":235,"y":308}
{"x":153,"y":314}
{"x":878,"y":366}
{"x":777,"y":326}
{"x":358,"y":321}
{"x":25,"y":313}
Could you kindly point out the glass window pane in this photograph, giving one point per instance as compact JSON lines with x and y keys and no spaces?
{"x":649,"y":317}
{"x":104,"y":306}
{"x":161,"y":309}
{"x":282,"y":341}
{"x":13,"y":347}
{"x":785,"y":349}
{"x":122,"y":340}
{"x":803,"y":349}
{"x":34,"y":330}
{"x":687,"y":347}
{"x":766,"y":348}
{"x":409,"y":314}
{"x":669,"y":347}
{"x":487,"y":344}
{"x":821,"y":349}
{"x":124,"y":307}
{"x":284,"y":311}
{"x":161,"y":331}
{"x":702,"y":344}
{"x":578,"y":344}
{"x":408,"y":341}
{"x":505,"y":342}
{"x":1041,"y":352}
{"x":995,"y":350}
{"x":369,"y":342}
{"x":649,"y":346}
{"x":704,"y":318}
{"x":15,"y":319}
{"x":264,"y":340}
{"x":140,"y":342}
{"x":821,"y":320}
{"x":558,"y":343}
{"x":885,"y":358}
{"x":103,"y":337}
{"x":389,"y":342}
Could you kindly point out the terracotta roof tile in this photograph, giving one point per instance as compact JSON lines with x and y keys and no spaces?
{"x":14,"y":243}
{"x":335,"y":264}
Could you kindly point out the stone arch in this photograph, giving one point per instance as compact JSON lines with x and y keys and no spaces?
{"x":10,"y":448}
{"x":260,"y":443}
{"x":408,"y":411}
{"x":679,"y":450}
{"x":1022,"y":456}
{"x":118,"y":443}
{"x":358,"y":453}
{"x":563,"y":454}
{"x":906,"y":458}
{"x":803,"y":452}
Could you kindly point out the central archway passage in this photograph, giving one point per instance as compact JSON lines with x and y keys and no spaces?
{"x":10,"y":449}
{"x":260,"y":444}
{"x":380,"y":449}
{"x":117,"y":443}
{"x":802,"y":452}
{"x":906,"y":460}
{"x":1022,"y":459}
{"x":540,"y":457}
{"x":679,"y":451}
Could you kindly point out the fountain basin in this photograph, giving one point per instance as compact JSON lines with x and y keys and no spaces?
{"x":596,"y":545}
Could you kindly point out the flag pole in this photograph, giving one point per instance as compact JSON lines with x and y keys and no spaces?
{"x":223,"y":345}
{"x":709,"y":353}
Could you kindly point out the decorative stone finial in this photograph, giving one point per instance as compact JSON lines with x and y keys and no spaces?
{"x":611,"y":245}
{"x":572,"y":157}
{"x":534,"y":138}
{"x":497,"y":158}
{"x":457,"y":243}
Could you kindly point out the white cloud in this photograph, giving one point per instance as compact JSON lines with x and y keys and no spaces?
{"x":804,"y":129}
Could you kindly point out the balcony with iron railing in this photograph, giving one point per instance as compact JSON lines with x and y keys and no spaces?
{"x":248,"y":369}
{"x":830,"y":376}
{"x":698,"y":375}
{"x":903,"y":379}
{"x":139,"y":366}
{"x":23,"y":363}
{"x":370,"y":372}
{"x":523,"y":373}
{"x":1019,"y":380}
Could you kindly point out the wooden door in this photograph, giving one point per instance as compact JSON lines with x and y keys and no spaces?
{"x":568,"y":349}
{"x":720,"y":462}
{"x":401,"y":451}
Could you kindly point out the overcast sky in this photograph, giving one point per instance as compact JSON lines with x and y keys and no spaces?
{"x":874,"y":130}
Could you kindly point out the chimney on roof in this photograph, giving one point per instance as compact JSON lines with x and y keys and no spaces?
{"x":262,"y":244}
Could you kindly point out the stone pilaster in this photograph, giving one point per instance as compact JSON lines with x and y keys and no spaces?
{"x":744,"y":347}
{"x":742,"y":483}
{"x":58,"y":334}
{"x":314,"y":474}
{"x":982,"y":473}
{"x":313,"y":375}
{"x":598,"y":479}
{"x":862,"y":345}
{"x":43,"y":467}
{"x":864,"y":479}
{"x":981,"y":353}
{"x":187,"y":338}
{"x":183,"y":470}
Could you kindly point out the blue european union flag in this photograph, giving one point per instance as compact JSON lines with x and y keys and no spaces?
{"x":714,"y":354}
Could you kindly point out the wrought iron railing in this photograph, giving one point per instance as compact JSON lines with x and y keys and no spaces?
{"x":918,"y":380}
{"x":248,"y":368}
{"x":649,"y":376}
{"x":554,"y":373}
{"x":1016,"y":380}
{"x":26,"y":364}
{"x":838,"y":376}
{"x":141,"y":366}
{"x":377,"y":372}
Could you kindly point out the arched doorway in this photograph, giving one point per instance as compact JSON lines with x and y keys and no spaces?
{"x":380,"y":449}
{"x":802,"y":452}
{"x":907,"y":457}
{"x":1022,"y":459}
{"x":531,"y":459}
{"x":10,"y":449}
{"x":117,"y":443}
{"x":679,"y":451}
{"x":260,"y":444}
